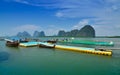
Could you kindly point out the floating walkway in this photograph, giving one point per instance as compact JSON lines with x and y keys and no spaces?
{"x":88,"y":42}
{"x":29,"y":44}
{"x":69,"y":48}
{"x":33,"y":44}
{"x":85,"y":50}
{"x":79,"y":49}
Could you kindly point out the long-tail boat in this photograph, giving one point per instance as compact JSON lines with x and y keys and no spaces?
{"x":11,"y":43}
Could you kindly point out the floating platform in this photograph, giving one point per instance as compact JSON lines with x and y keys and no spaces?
{"x":78,"y":49}
{"x":106,"y":52}
{"x":85,"y":50}
{"x":46,"y":45}
{"x":32,"y":44}
{"x":101,"y":43}
{"x":29,"y":44}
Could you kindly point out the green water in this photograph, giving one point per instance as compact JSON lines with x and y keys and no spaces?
{"x":42,"y":61}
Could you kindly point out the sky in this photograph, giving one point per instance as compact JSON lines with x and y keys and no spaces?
{"x":51,"y":16}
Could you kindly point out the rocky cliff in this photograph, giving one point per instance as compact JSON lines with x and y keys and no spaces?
{"x":35,"y":34}
{"x":38,"y":34}
{"x":23,"y":34}
{"x":86,"y":31}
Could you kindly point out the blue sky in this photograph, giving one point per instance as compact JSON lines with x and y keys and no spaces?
{"x":51,"y":16}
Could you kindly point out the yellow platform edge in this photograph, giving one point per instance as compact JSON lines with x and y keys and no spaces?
{"x":107,"y":53}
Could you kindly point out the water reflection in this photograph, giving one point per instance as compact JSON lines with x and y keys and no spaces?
{"x":4,"y":56}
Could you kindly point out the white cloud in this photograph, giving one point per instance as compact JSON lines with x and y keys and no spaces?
{"x":115,"y":7}
{"x":43,"y":3}
{"x":106,"y":30}
{"x":49,"y":29}
{"x":52,"y":30}
{"x":77,"y":8}
{"x":104,"y":14}
{"x":22,"y":1}
{"x":29,"y":28}
{"x":59,"y":14}
{"x":81,"y":24}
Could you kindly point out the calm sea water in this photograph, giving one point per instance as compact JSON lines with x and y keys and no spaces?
{"x":42,"y":61}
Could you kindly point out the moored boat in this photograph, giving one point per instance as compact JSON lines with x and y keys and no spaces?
{"x":51,"y":41}
{"x":11,"y":43}
{"x":23,"y":41}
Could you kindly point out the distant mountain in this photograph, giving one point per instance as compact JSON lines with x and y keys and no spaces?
{"x":35,"y":34}
{"x":86,"y":31}
{"x":23,"y":34}
{"x":42,"y":33}
{"x":38,"y":34}
{"x":61,"y":33}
